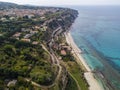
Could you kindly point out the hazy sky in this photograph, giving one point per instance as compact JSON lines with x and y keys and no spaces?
{"x":66,"y":2}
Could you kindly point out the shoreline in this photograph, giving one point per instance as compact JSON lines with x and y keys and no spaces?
{"x":89,"y":75}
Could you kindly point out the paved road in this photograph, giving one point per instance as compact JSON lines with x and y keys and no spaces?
{"x":55,"y":60}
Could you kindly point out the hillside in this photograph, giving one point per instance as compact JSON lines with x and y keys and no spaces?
{"x":6,"y":5}
{"x":33,"y":50}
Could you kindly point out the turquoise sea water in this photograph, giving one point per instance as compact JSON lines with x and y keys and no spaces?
{"x":97,"y":32}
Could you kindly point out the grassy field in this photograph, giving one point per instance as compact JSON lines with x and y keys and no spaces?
{"x":77,"y":74}
{"x":71,"y":85}
{"x":56,"y":87}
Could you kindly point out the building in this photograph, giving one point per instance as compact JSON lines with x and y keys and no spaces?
{"x":12,"y":83}
{"x":28,"y":36}
{"x":63,"y":52}
{"x":17,"y":35}
{"x":35,"y":42}
{"x":26,"y":40}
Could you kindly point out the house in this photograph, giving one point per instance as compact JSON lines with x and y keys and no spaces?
{"x":43,"y":28}
{"x":56,"y":46}
{"x":30,"y":16}
{"x":12,"y":83}
{"x":3,"y":19}
{"x":42,"y":17}
{"x":60,"y":58}
{"x":63,"y":52}
{"x":25,"y":30}
{"x":28,"y":36}
{"x":12,"y":18}
{"x":59,"y":19}
{"x":37,"y":27}
{"x":1,"y":34}
{"x":33,"y":32}
{"x":17,"y":35}
{"x":26,"y":40}
{"x":35,"y":42}
{"x":68,"y":48}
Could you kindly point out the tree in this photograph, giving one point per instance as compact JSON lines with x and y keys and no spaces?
{"x":9,"y":50}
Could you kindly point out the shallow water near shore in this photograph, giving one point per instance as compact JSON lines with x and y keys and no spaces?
{"x":96,"y":32}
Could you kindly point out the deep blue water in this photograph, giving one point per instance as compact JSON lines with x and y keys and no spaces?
{"x":97,"y":32}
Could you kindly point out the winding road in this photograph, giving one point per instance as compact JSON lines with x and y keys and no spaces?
{"x":55,"y":60}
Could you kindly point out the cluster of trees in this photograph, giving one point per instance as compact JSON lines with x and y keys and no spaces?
{"x":10,"y":27}
{"x":23,"y":59}
{"x":20,"y":58}
{"x":68,"y":57}
{"x":22,"y":85}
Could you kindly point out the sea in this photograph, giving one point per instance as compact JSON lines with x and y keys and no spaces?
{"x":96,"y":31}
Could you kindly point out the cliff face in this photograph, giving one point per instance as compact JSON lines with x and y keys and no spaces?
{"x":59,"y":24}
{"x":63,"y":21}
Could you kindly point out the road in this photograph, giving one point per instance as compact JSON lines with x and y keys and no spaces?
{"x":53,"y":56}
{"x":55,"y":60}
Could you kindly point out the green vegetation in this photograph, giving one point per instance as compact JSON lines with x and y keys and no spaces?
{"x":22,"y":58}
{"x":68,"y":57}
{"x":71,"y":85}
{"x":76,"y":72}
{"x":55,"y":87}
{"x":26,"y":60}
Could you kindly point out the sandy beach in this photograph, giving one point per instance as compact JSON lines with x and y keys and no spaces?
{"x":94,"y":84}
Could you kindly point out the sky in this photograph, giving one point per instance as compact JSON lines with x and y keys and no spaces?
{"x":65,"y":2}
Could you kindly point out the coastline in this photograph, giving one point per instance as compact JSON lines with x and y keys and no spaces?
{"x":89,"y":75}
